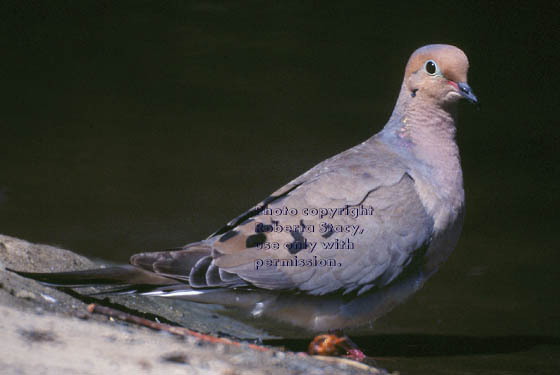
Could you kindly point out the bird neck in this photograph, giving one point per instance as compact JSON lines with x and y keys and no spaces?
{"x":424,"y":133}
{"x":424,"y":130}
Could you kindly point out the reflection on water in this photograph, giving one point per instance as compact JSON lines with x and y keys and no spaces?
{"x":130,"y":127}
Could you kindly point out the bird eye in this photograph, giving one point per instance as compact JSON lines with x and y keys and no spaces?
{"x":431,"y":67}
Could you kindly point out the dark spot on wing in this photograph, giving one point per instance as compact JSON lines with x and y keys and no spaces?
{"x":228,"y":235}
{"x":298,"y":237}
{"x":329,"y":233}
{"x":255,"y":240}
{"x":235,"y":222}
{"x":252,"y":212}
{"x":261,"y":227}
{"x":298,"y":244}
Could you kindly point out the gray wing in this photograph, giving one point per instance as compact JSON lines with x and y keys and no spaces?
{"x":315,"y":254}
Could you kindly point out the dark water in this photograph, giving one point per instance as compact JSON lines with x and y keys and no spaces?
{"x":145,"y":125}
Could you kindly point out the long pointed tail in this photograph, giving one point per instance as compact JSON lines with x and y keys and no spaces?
{"x":119,"y":275}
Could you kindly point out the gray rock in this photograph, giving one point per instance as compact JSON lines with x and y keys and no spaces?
{"x":24,"y":256}
{"x":49,"y":331}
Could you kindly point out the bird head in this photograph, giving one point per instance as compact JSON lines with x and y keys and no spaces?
{"x":437,"y":73}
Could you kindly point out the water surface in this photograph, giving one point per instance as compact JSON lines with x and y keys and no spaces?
{"x":140,"y":126}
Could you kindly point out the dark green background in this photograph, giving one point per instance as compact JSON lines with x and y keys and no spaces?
{"x":133,"y":126}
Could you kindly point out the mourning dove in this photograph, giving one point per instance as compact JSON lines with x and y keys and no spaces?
{"x":345,"y":242}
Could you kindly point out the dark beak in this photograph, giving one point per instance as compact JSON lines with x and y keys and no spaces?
{"x":466,"y":91}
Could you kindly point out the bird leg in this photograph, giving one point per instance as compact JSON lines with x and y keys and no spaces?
{"x":335,"y":344}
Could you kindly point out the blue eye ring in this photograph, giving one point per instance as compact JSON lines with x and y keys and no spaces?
{"x":431,"y":67}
